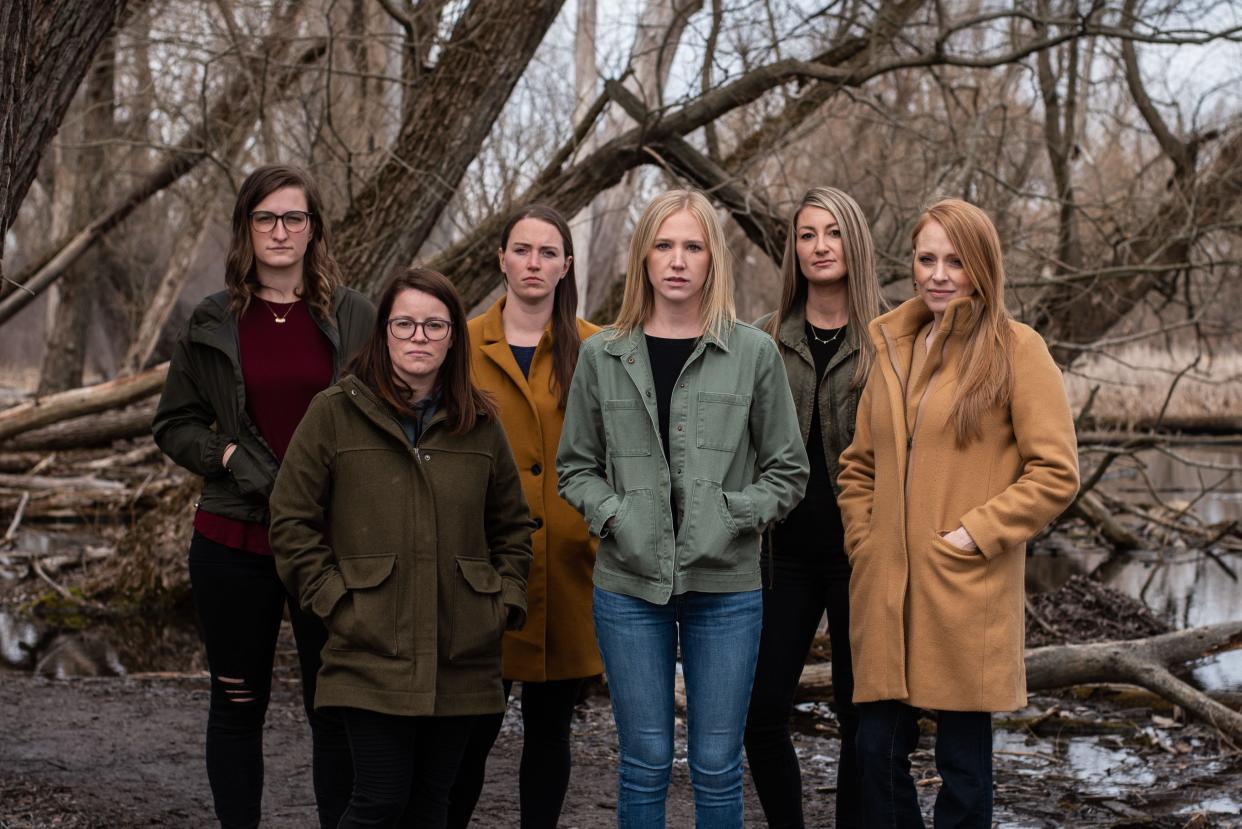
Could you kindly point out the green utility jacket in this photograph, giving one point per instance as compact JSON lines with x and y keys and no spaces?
{"x":737,"y":462}
{"x":203,"y":407}
{"x":411,"y":554}
{"x":838,"y":403}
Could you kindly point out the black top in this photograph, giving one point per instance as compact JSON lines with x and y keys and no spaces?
{"x":524,"y":354}
{"x":667,"y":357}
{"x":813,"y":530}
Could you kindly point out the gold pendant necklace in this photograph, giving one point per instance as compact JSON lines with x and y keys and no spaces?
{"x":280,"y":318}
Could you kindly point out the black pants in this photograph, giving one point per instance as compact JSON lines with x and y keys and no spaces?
{"x":801,"y":590}
{"x":403,"y":768}
{"x":888,"y":731}
{"x":543,"y":779}
{"x":240,"y":600}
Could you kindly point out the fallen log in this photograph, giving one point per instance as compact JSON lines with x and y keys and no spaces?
{"x":100,"y":429}
{"x":1146,"y":663}
{"x":54,"y":408}
{"x":1182,"y":424}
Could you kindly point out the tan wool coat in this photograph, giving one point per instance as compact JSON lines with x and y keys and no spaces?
{"x":558,"y":640}
{"x":933,"y":625}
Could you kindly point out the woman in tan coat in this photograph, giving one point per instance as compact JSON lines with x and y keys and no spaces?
{"x":523,"y":352}
{"x":964,"y":449}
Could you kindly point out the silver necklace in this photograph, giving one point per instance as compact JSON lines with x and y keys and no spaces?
{"x":823,"y":340}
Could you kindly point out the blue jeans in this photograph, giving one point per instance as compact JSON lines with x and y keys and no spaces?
{"x":719,"y":634}
{"x":888,"y":731}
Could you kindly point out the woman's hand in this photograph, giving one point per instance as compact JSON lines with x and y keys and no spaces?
{"x":228,"y":453}
{"x":961,"y":539}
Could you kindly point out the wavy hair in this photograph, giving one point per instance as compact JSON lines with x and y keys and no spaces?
{"x":463,"y":401}
{"x":320,"y":273}
{"x":866,"y":302}
{"x":985,"y":373}
{"x":716,"y":308}
{"x":565,"y":337}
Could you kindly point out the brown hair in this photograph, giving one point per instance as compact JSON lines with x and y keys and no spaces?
{"x":320,"y":275}
{"x":565,"y":338}
{"x":461,"y":399}
{"x":866,"y":302}
{"x":985,"y":374}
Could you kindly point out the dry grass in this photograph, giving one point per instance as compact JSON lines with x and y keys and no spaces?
{"x":1135,"y":380}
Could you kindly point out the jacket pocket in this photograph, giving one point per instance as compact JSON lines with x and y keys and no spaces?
{"x":627,"y":428}
{"x":477,"y":615}
{"x":630,"y":546}
{"x":709,"y":530}
{"x":722,"y":420}
{"x":366,"y":618}
{"x":253,"y":479}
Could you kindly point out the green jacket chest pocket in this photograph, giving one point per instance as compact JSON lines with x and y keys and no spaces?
{"x":627,"y":428}
{"x":722,"y":420}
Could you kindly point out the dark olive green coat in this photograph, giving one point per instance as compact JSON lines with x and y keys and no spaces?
{"x":838,"y":403}
{"x":412,"y":555}
{"x":203,"y":407}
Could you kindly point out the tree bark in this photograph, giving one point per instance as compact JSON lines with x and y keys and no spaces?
{"x":392,"y":216}
{"x":15,"y":20}
{"x":57,"y":39}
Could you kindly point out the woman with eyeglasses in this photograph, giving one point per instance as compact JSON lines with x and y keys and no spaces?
{"x":242,"y":375}
{"x":398,"y":518}
{"x":524,"y":350}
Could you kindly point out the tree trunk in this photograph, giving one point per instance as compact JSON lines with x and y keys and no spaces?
{"x":15,"y":17}
{"x":392,"y":216}
{"x":56,"y":40}
{"x":64,"y":355}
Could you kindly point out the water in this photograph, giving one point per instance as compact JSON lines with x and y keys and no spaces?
{"x":1183,"y":587}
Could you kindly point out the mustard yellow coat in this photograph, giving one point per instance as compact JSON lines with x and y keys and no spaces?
{"x":558,"y":640}
{"x":932,"y":625}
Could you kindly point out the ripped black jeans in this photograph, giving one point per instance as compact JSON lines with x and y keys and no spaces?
{"x":240,"y":601}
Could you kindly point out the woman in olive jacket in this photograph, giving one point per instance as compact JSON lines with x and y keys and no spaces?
{"x":241,"y":377}
{"x":680,"y":446}
{"x":398,"y":518}
{"x":830,"y":295}
{"x":964,"y":449}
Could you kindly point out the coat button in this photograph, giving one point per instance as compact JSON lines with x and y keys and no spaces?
{"x":683,"y":385}
{"x":426,"y":457}
{"x":538,"y":523}
{"x":536,"y":469}
{"x":630,"y":361}
{"x":353,"y":392}
{"x":679,"y":427}
{"x":649,"y":392}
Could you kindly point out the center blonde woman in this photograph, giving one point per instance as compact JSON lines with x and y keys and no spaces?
{"x":680,"y":445}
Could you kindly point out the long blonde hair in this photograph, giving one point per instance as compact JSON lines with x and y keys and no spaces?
{"x":717,"y":311}
{"x":985,"y":373}
{"x":866,"y":302}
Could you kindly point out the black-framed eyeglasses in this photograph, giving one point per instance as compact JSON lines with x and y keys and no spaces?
{"x":295,"y":221}
{"x":403,"y":328}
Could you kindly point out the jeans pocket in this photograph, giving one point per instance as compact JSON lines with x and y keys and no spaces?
{"x":477,"y":615}
{"x":366,"y":617}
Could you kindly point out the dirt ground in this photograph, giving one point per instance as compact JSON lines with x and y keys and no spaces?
{"x":126,"y":752}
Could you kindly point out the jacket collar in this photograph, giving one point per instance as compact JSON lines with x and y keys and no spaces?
{"x":215,"y":325}
{"x":619,"y":346}
{"x":377,"y":411}
{"x":906,"y":319}
{"x":792,"y":335}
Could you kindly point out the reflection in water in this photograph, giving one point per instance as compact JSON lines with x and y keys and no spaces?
{"x":1185,"y":588}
